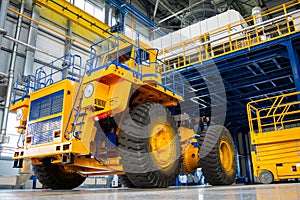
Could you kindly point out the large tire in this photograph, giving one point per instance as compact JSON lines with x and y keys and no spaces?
{"x":125,"y":181}
{"x":217,"y":156}
{"x":56,"y":177}
{"x":150,"y":146}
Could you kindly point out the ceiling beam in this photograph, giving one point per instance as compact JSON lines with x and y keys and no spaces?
{"x":170,"y":10}
{"x":155,"y":8}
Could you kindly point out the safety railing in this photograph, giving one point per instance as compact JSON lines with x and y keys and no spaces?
{"x":233,"y":37}
{"x":65,"y":67}
{"x":68,"y":66}
{"x":117,"y":51}
{"x":104,"y":46}
{"x":22,"y":87}
{"x":274,"y":113}
{"x":174,"y":82}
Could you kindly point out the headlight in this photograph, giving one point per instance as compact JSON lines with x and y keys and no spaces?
{"x":19,"y":114}
{"x":88,"y":90}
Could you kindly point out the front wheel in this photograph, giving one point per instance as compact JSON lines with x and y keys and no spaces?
{"x":125,"y":181}
{"x":150,"y":146}
{"x":217,"y":156}
{"x":57,"y":177}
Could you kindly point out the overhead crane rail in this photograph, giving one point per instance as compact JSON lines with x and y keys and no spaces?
{"x":232,"y":38}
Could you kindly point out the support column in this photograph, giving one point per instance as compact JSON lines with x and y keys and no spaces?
{"x":294,"y":60}
{"x":235,"y":139}
{"x":3,"y":137}
{"x":107,"y":10}
{"x":32,"y":36}
{"x":68,"y":48}
{"x":3,"y":14}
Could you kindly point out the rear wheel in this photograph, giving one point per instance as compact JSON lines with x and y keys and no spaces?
{"x":217,"y":156}
{"x":57,"y":177}
{"x":150,"y":146}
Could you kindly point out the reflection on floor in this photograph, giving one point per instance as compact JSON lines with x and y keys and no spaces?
{"x":252,"y":192}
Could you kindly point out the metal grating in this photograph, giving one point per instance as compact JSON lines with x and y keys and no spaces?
{"x":46,"y":106}
{"x":42,"y":132}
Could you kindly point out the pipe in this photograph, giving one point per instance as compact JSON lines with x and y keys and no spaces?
{"x":24,"y":44}
{"x":32,"y":36}
{"x":257,"y":15}
{"x":3,"y":13}
{"x":11,"y":73}
{"x":48,"y":27}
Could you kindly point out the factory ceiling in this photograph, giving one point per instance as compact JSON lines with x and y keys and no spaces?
{"x":173,"y":14}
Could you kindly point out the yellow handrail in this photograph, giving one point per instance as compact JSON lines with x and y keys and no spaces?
{"x":273,"y":112}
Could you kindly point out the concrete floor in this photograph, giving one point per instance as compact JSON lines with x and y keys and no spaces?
{"x":259,"y":192}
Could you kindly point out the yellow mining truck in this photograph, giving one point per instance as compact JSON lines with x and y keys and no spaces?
{"x":112,"y":117}
{"x":274,"y":129}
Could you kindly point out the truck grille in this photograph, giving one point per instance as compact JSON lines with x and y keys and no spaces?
{"x":47,"y":105}
{"x":42,"y":132}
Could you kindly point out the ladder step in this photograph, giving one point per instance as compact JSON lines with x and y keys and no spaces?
{"x":76,"y":132}
{"x":81,"y":114}
{"x":21,"y":127}
{"x":77,"y":123}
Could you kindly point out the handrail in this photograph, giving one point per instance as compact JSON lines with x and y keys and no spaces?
{"x":69,"y":64}
{"x":64,"y":65}
{"x":139,"y":59}
{"x":75,"y":102}
{"x":274,"y":113}
{"x":201,"y":48}
{"x":22,"y":87}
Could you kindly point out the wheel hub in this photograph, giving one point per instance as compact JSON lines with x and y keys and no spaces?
{"x":162,"y":147}
{"x":225,"y":155}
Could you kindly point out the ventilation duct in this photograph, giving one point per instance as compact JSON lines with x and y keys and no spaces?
{"x":198,"y":13}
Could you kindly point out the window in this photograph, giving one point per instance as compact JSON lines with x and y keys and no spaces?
{"x":79,"y":4}
{"x":99,"y":14}
{"x":89,"y":8}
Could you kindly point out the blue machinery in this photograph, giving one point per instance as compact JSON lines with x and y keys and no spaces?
{"x":125,"y":8}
